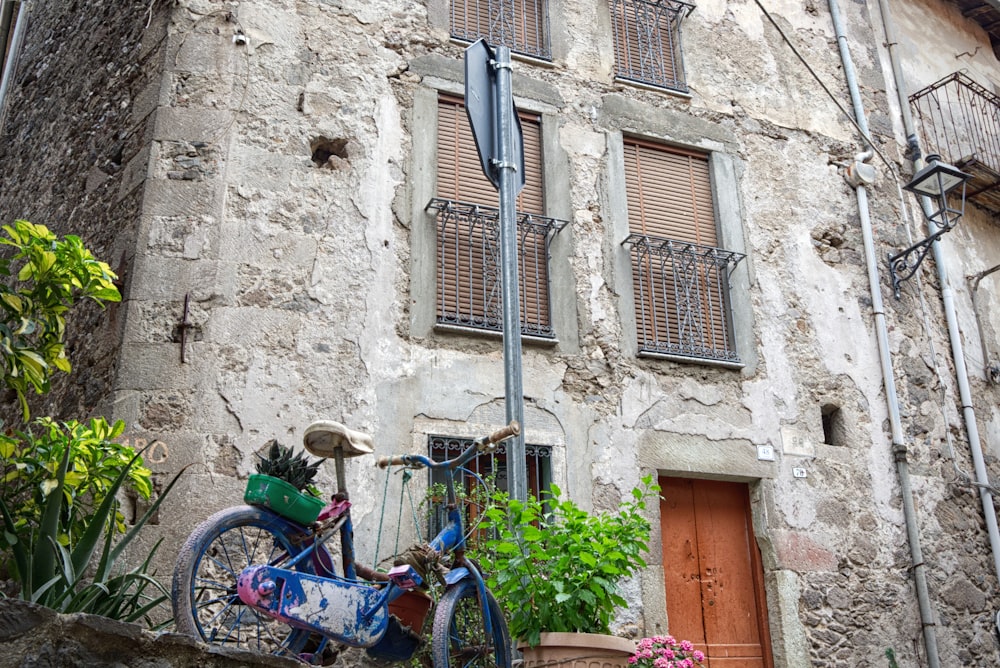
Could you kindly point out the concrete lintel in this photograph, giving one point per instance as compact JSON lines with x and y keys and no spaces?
{"x":692,"y":455}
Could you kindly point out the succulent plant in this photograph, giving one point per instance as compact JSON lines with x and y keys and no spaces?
{"x":281,"y":463}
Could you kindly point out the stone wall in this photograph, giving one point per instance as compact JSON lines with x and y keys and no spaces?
{"x":288,"y":170}
{"x":31,"y":635}
{"x":75,"y":149}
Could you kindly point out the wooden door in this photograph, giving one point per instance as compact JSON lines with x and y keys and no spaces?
{"x":713,"y":576}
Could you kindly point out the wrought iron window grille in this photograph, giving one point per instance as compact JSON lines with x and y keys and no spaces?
{"x":469,"y":265}
{"x":491,"y":468}
{"x":521,"y":25}
{"x":647,"y":37}
{"x":683,"y":298}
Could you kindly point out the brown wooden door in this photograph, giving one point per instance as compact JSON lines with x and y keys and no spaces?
{"x":713,"y":576}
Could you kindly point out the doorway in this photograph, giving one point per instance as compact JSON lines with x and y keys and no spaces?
{"x":713,"y":576}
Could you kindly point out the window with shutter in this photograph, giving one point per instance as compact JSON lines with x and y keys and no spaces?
{"x":647,"y":41}
{"x":468,"y":232}
{"x":521,"y":25}
{"x":491,"y":468}
{"x":680,"y":276}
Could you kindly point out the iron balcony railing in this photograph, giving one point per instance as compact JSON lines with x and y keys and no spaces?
{"x":682,"y":298}
{"x":960,"y":120}
{"x":468,"y":250}
{"x":521,"y":25}
{"x":647,"y":37}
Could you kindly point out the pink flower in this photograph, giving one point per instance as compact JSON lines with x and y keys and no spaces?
{"x":698,"y":655}
{"x":633,"y":659}
{"x":686,"y":645}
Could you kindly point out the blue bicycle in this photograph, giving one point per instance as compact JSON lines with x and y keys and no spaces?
{"x":248,"y":577}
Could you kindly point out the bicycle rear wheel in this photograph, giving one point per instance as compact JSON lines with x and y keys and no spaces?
{"x":205,"y":601}
{"x":459,"y":640}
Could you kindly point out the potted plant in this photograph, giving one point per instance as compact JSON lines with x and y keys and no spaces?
{"x":283,"y":483}
{"x":555,"y":569}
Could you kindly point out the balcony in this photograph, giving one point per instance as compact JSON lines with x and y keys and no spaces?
{"x":959,"y":119}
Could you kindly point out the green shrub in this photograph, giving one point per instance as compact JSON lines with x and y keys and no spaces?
{"x":60,"y":509}
{"x":30,"y":459}
{"x":47,"y":275}
{"x":555,"y":567}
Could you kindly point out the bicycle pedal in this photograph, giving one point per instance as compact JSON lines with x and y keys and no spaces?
{"x":405,"y":576}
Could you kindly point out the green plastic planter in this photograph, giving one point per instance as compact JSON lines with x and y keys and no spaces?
{"x":282,"y":498}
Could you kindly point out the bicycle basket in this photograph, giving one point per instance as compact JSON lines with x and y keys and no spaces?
{"x":282,"y":498}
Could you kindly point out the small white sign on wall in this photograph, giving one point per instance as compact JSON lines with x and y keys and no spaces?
{"x":796,"y":443}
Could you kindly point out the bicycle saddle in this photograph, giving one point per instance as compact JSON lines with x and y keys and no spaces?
{"x":323,"y":437}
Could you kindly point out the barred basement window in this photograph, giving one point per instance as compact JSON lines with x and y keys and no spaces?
{"x":648,"y":41}
{"x":680,"y":276}
{"x":468,"y":249}
{"x":521,"y":25}
{"x":491,"y":468}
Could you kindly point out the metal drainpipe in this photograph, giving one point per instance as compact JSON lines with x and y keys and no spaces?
{"x":951,"y":317}
{"x":888,"y":378}
{"x":991,"y":369}
{"x":14,"y":49}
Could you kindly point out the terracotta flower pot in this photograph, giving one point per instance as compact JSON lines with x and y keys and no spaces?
{"x":578,"y":650}
{"x":411,"y":608}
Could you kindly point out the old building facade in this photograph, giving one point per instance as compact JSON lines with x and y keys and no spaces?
{"x":289,"y":192}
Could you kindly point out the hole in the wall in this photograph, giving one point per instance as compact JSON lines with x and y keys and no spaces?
{"x":324,"y":148}
{"x":833,"y":425}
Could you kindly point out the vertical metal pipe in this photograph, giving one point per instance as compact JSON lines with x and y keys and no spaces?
{"x":888,"y":377}
{"x":951,"y":316}
{"x":19,"y":25}
{"x":517,"y":484}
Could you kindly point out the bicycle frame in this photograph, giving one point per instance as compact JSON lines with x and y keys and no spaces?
{"x":344,"y":608}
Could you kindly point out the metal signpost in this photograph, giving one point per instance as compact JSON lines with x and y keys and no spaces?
{"x":497,"y":131}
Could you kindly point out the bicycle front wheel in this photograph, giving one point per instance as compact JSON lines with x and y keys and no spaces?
{"x":459,"y":639}
{"x":204,"y":596}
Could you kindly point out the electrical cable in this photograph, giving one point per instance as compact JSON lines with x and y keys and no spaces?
{"x":826,"y":89}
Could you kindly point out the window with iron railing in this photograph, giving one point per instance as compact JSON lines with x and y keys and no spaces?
{"x":491,"y":469}
{"x":468,"y":232}
{"x":647,"y":35}
{"x":521,"y":25}
{"x":680,"y":275}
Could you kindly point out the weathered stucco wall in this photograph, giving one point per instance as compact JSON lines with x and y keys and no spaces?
{"x":309,"y":292}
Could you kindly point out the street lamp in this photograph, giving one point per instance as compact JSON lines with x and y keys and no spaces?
{"x":936,"y":181}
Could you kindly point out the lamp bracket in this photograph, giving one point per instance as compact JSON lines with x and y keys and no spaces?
{"x":904,"y":264}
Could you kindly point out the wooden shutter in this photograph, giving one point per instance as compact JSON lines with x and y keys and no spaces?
{"x":521,"y":27}
{"x":678,"y":303}
{"x":645,"y":41}
{"x":460,"y":174}
{"x":669,"y":193}
{"x":466,"y":283}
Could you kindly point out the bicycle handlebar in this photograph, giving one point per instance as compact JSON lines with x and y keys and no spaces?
{"x":483,"y":444}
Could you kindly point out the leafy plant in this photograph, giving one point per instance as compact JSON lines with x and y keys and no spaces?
{"x":554,"y":567}
{"x":30,"y":459}
{"x":55,"y":568}
{"x":294,"y":469}
{"x":50,"y":275}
